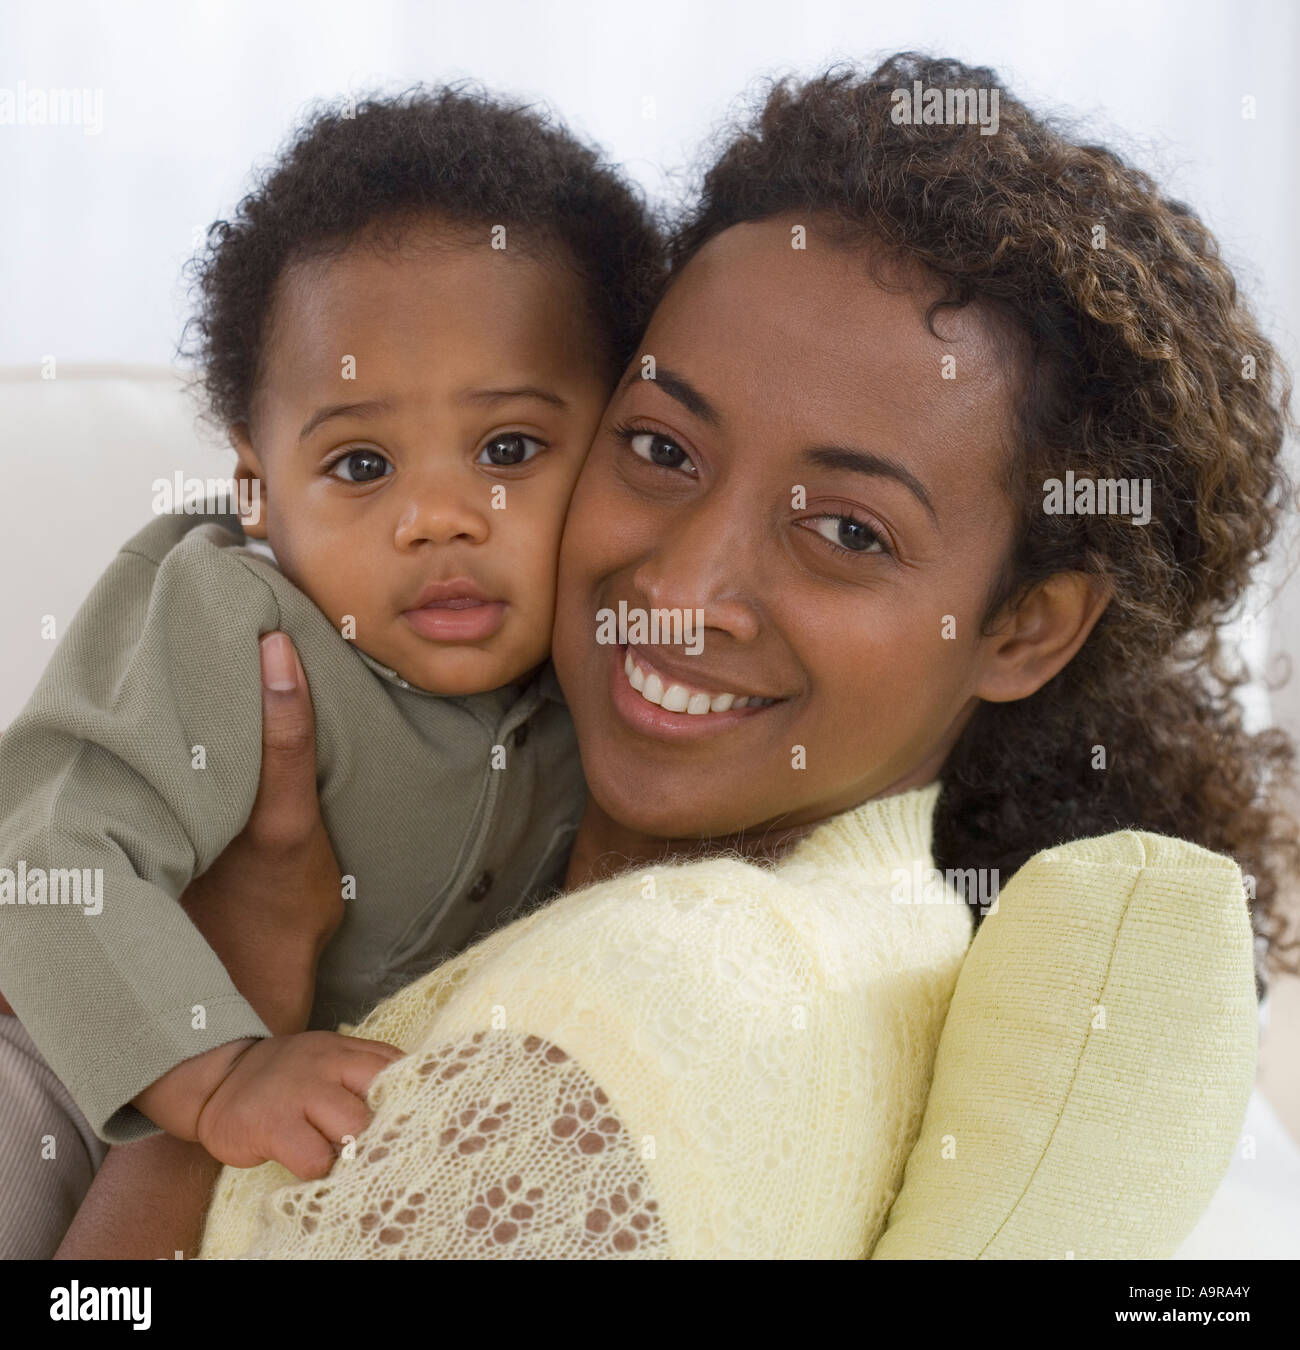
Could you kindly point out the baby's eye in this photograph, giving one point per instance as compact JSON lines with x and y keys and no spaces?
{"x":361,"y":466}
{"x":848,"y":533}
{"x":660,"y":450}
{"x":512,"y":448}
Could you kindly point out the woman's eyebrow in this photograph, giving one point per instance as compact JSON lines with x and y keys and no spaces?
{"x":678,"y":387}
{"x":864,"y":461}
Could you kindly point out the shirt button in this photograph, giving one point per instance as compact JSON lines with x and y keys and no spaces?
{"x":521,"y":736}
{"x":479,"y":889}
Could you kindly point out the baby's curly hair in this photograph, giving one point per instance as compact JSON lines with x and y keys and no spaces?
{"x":453,"y":150}
{"x":1144,"y":363}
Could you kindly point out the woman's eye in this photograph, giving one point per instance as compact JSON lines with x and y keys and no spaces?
{"x":849,"y":533}
{"x":660,"y":450}
{"x":361,"y":466}
{"x":513,"y":448}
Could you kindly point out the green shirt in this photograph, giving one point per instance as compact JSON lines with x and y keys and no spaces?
{"x":138,"y":757}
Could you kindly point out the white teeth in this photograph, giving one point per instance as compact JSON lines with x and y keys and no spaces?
{"x":677,"y":698}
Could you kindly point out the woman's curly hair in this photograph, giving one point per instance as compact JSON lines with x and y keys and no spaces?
{"x":1144,"y":363}
{"x":453,"y":150}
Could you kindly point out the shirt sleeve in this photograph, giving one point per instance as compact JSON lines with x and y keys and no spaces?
{"x":133,"y":765}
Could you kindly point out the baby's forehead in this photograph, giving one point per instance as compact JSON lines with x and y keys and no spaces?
{"x":452,"y":276}
{"x":420,"y":310}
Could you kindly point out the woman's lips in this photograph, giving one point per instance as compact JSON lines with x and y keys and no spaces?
{"x":462,"y":618}
{"x":647,"y":717}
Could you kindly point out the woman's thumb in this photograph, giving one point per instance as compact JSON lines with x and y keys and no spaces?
{"x":286,"y":810}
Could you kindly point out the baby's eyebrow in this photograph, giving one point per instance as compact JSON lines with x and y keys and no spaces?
{"x":489,"y":396}
{"x":373,"y":407}
{"x":368,"y":409}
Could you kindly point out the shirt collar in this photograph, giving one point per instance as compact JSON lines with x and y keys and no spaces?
{"x":882,"y":834}
{"x":544,"y":686}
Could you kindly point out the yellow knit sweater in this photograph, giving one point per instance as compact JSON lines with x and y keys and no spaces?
{"x":715,"y":1059}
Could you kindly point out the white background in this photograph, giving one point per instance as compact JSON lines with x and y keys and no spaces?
{"x":94,"y":228}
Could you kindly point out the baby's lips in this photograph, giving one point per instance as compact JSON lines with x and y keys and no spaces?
{"x":455,"y":589}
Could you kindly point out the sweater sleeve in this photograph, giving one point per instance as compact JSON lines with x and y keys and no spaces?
{"x":656,"y":1067}
{"x":133,"y":765}
{"x":491,"y":1145}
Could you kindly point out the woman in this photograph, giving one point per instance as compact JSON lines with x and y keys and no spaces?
{"x":882,"y":345}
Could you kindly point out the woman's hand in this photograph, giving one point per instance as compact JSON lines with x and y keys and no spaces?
{"x":272,"y":901}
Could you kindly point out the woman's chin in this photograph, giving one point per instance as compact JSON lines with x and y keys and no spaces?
{"x":660,"y":812}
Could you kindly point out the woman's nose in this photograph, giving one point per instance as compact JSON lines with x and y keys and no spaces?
{"x":439,"y":513}
{"x":707,"y":564}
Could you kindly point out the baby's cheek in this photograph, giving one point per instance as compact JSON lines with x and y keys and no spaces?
{"x":528,"y":560}
{"x":357,"y":603}
{"x":530,"y":643}
{"x":345,"y":602}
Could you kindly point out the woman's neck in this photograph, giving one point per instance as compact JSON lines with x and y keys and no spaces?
{"x":605,"y":847}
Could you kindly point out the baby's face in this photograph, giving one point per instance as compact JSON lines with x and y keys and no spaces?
{"x":422,"y":414}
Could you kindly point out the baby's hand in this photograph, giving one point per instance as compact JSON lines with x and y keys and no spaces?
{"x":293,"y":1099}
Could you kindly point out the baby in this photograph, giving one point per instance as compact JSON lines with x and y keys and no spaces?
{"x":410,"y":328}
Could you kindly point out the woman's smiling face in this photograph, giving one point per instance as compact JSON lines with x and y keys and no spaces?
{"x":800,"y":470}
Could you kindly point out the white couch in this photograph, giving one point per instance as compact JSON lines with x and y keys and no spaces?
{"x":82,"y":452}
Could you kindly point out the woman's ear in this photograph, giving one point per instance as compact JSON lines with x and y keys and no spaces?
{"x":250,"y":483}
{"x":1039,"y":639}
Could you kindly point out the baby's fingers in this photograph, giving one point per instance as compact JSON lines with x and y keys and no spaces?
{"x":390,"y":1052}
{"x":338,"y":1114}
{"x":357,"y":1071}
{"x":305,"y":1151}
